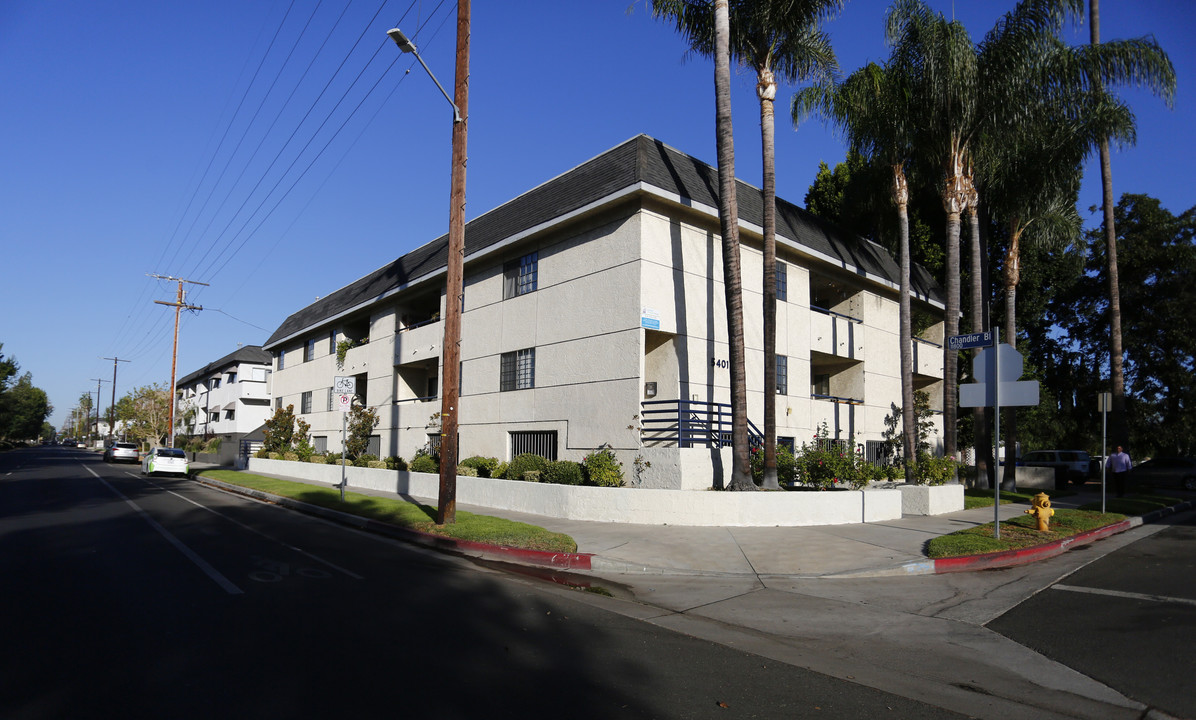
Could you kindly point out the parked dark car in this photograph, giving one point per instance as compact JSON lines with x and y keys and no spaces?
{"x":1172,"y":471}
{"x":1070,"y":465}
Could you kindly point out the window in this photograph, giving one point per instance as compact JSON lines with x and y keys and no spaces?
{"x":230,"y":414}
{"x":782,"y":282}
{"x":821,"y":385}
{"x":521,"y":277}
{"x":320,"y":444}
{"x":232,"y":378}
{"x":260,"y":374}
{"x":305,"y":402}
{"x":278,"y":403}
{"x":331,"y":341}
{"x":517,"y":370}
{"x":309,"y":350}
{"x":536,"y":442}
{"x":215,"y":383}
{"x":782,"y":375}
{"x":374,"y":446}
{"x":282,"y":358}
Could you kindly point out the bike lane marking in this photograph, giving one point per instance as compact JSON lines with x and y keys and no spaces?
{"x":191,"y":555}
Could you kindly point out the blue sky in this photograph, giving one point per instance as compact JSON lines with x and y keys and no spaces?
{"x":279,"y":151}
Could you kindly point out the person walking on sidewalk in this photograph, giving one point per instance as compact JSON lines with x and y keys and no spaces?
{"x":1119,"y":465}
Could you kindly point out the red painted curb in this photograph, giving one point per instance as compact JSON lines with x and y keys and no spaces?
{"x":1010,"y":558}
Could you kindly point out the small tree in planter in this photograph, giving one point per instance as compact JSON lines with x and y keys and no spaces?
{"x":280,"y":430}
{"x":362,"y":421}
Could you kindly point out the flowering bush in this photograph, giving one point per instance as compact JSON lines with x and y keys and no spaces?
{"x":829,"y":464}
{"x":785,"y":465}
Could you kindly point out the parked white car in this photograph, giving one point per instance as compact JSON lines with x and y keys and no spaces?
{"x":165,"y":460}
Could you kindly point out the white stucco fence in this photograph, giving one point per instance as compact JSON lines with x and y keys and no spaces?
{"x":639,"y":505}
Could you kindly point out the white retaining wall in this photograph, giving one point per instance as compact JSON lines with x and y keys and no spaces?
{"x":624,"y":505}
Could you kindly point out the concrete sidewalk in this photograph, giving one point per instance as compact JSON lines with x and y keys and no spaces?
{"x":890,"y":548}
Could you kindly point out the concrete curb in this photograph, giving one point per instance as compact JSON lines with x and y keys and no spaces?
{"x":537,"y":558}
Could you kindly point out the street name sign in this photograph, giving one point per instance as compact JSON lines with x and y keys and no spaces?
{"x":971,"y":340}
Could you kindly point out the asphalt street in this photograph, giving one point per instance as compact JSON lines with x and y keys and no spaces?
{"x":159,"y":598}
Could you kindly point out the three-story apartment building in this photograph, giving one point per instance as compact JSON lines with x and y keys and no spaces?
{"x":594,"y":314}
{"x":228,"y":398}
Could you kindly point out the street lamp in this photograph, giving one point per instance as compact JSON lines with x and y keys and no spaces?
{"x":409,"y":47}
{"x":446,"y":511}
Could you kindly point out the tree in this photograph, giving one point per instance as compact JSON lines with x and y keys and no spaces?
{"x":871,"y":108}
{"x":146,"y":413}
{"x":280,"y":430}
{"x":689,"y":14}
{"x":781,"y":40}
{"x":1158,"y":74}
{"x":362,"y":421}
{"x":24,"y":410}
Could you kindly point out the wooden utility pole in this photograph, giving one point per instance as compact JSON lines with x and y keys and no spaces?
{"x":98,"y":383}
{"x":178,"y":304}
{"x":112,"y":407}
{"x":446,"y":511}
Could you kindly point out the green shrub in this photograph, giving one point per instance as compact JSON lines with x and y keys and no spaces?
{"x":500,"y":470}
{"x":525,"y":463}
{"x":467,"y":471}
{"x":830,"y":464}
{"x":333,"y":458}
{"x":263,"y":454}
{"x":212,"y":446}
{"x":364,"y":460}
{"x":425,"y":464}
{"x":318,"y":459}
{"x":394,"y":462}
{"x":562,"y":472}
{"x":274,"y":455}
{"x":785,"y":465}
{"x":485,"y":466}
{"x":936,"y":470}
{"x":532,"y":476}
{"x":376,"y":464}
{"x":292,"y":456}
{"x":603,"y":469}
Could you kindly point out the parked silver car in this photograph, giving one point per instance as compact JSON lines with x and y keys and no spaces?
{"x":121,"y":452}
{"x":165,"y":460}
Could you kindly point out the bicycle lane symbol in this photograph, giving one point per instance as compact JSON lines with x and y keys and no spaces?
{"x":274,"y":571}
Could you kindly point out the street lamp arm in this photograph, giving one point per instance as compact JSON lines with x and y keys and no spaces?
{"x":409,"y":47}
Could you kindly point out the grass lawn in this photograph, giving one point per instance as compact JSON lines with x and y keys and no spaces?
{"x":478,"y":528}
{"x":1019,"y":532}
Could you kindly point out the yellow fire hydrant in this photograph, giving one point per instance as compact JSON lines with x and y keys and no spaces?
{"x":1041,"y":511}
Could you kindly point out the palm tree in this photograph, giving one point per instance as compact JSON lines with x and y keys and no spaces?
{"x":689,"y":14}
{"x":941,"y":59}
{"x":1159,"y":75}
{"x":871,"y":108}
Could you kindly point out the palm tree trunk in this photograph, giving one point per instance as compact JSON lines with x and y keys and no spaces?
{"x":728,"y":214}
{"x":951,"y":357}
{"x":766,"y":88}
{"x":1013,"y":276}
{"x":909,"y":428}
{"x":979,"y":419}
{"x":1116,"y":359}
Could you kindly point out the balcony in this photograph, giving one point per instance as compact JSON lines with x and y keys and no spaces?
{"x":833,"y":333}
{"x":928,"y":358}
{"x":417,"y":343}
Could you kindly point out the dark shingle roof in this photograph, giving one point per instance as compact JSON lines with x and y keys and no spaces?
{"x":639,"y":160}
{"x":247,"y":354}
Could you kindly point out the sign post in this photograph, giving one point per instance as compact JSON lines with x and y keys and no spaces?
{"x":344,"y":386}
{"x":1104,"y":403}
{"x":997,"y":368}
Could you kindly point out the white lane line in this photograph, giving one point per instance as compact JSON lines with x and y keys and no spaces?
{"x":1128,"y":595}
{"x":202,"y":564}
{"x":255,"y":531}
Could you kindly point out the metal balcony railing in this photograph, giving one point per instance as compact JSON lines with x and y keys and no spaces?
{"x":692,"y":423}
